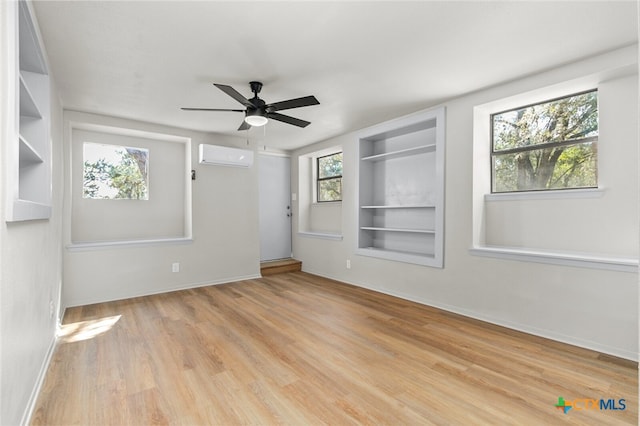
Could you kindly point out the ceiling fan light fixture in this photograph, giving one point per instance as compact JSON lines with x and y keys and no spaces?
{"x":255,"y":119}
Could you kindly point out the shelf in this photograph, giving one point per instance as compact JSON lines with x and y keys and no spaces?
{"x":30,"y":54}
{"x":415,"y":206}
{"x":28,"y":155}
{"x":28,"y":105}
{"x":400,"y":153}
{"x":383,"y":251}
{"x":413,"y":231}
{"x":32,"y":130}
{"x":401,"y":256}
{"x":28,"y":179}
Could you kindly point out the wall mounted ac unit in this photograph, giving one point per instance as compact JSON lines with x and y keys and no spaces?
{"x":225,"y":156}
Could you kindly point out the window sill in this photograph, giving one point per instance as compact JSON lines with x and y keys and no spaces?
{"x":580,"y":260}
{"x":326,"y":203}
{"x":546,"y":195}
{"x":322,"y":235}
{"x":98,"y":245}
{"x":23,"y":210}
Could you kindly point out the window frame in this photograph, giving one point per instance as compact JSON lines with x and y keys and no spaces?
{"x":493,"y":152}
{"x":319,"y":179}
{"x":126,"y":148}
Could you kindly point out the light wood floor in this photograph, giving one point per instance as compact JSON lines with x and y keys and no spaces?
{"x":298,"y":349}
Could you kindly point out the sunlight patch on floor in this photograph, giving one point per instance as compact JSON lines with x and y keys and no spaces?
{"x":85,"y":330}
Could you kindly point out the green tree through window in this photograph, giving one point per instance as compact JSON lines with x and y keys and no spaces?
{"x":115,"y":172}
{"x":551,"y":145}
{"x":330,"y":177}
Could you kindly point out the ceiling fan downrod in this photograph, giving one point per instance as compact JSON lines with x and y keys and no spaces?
{"x":256,"y":86}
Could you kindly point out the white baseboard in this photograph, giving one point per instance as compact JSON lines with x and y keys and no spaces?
{"x":547,"y":334}
{"x":35,"y":392}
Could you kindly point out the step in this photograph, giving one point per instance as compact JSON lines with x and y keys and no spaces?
{"x":280,"y":266}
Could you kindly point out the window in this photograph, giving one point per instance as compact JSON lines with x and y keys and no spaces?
{"x":329,"y":177}
{"x":115,"y":172}
{"x":550,"y":145}
{"x":161,"y":213}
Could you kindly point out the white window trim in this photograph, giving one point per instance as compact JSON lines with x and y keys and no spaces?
{"x":321,"y":235}
{"x":116,"y":146}
{"x":611,"y":263}
{"x":549,"y":194}
{"x":307,"y":193}
{"x":326,"y":203}
{"x":562,"y":96}
{"x":100,"y":245}
{"x":314,"y":174}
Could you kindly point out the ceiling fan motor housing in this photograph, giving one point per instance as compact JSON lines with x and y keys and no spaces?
{"x":256,"y":86}
{"x":258,"y":107}
{"x":258,"y":103}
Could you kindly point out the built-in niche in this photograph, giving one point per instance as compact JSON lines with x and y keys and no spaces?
{"x":401,"y":189}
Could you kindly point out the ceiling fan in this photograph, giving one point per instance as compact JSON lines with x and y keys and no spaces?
{"x":258,"y":112}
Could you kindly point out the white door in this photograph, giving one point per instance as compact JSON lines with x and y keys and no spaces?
{"x":275,"y":207}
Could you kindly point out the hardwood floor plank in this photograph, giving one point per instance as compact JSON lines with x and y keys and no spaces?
{"x":151,"y":405}
{"x":298,"y":349}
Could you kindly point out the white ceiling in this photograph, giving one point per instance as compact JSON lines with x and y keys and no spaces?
{"x":366,"y":62}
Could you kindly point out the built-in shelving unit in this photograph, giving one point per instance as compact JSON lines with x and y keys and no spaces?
{"x":28,"y":164}
{"x":401,"y":189}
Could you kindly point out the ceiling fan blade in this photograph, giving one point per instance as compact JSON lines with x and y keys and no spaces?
{"x":211,"y":109}
{"x":244,"y":126}
{"x":234,"y":94}
{"x":288,"y":120}
{"x":292,"y":103}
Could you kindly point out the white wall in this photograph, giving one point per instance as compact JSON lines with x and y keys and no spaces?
{"x":30,"y":275}
{"x":593,"y":308}
{"x":225,"y":245}
{"x":325,"y":217}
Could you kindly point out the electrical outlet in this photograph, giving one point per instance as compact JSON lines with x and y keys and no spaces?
{"x":52,"y":309}
{"x":175,"y":267}
{"x":348,"y":263}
